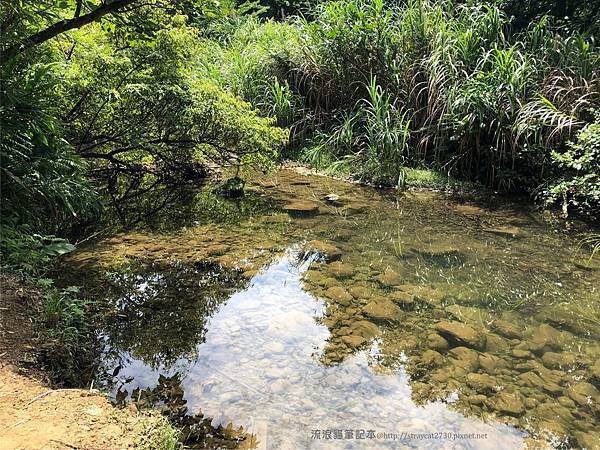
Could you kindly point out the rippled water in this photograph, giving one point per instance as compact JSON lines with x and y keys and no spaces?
{"x":288,"y":320}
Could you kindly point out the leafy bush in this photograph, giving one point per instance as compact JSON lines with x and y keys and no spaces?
{"x":578,"y":185}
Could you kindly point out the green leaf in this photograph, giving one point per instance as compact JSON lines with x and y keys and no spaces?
{"x":58,"y":248}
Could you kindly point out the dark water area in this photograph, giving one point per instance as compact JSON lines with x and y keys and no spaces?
{"x":316,"y":313}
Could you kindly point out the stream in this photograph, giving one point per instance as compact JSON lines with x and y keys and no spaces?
{"x":321,"y":314}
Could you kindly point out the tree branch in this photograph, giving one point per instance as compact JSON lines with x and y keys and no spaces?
{"x":65,"y":25}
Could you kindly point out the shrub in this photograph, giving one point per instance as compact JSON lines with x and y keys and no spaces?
{"x":577,"y":187}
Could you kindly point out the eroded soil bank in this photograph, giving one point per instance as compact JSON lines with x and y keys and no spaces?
{"x":35,"y":416}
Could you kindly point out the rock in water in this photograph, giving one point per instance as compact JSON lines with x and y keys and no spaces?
{"x":509,"y":232}
{"x":333,"y":199}
{"x":339,"y":294}
{"x":325,"y":251}
{"x":301,"y":209}
{"x":506,"y":403}
{"x":461,"y":334}
{"x":383,"y":310}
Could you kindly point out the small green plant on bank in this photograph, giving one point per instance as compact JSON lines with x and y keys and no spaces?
{"x":66,"y":330}
{"x":157,"y":434}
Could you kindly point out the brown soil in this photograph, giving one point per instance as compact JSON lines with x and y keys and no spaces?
{"x":34,"y":416}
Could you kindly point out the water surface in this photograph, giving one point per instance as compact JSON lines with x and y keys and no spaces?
{"x":309,"y":321}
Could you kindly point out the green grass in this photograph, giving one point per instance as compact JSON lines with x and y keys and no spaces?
{"x":157,"y":434}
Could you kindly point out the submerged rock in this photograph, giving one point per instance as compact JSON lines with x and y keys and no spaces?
{"x":469,"y":314}
{"x":491,"y":364}
{"x":339,"y":294}
{"x":588,"y":440}
{"x":333,"y":199}
{"x":545,"y":337}
{"x":496,"y":344}
{"x":510,"y":232}
{"x":301,"y":209}
{"x":507,"y":403}
{"x":521,"y":354}
{"x":531,"y":379}
{"x":365,"y":329}
{"x":402,"y":298}
{"x":361,"y":292}
{"x":506,"y":329}
{"x":565,"y":318}
{"x":482,"y":383}
{"x":465,"y":358}
{"x":325,"y":251}
{"x":436,"y":342}
{"x":583,"y":393}
{"x":553,"y":360}
{"x":353,"y":340}
{"x":389,"y":278}
{"x":383,"y":310}
{"x":341,"y":270}
{"x":431,"y":358}
{"x":461,"y":334}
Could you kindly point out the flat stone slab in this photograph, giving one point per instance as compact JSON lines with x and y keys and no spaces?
{"x":301,"y":209}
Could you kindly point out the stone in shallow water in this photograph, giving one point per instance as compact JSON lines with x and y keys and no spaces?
{"x":340,"y":269}
{"x":491,"y":364}
{"x":507,"y":403}
{"x":327,"y":252}
{"x":383,"y":310}
{"x":482,"y":383}
{"x":533,"y":380}
{"x":510,"y":232}
{"x":461,"y":334}
{"x":353,"y":341}
{"x":588,"y":440}
{"x":274,"y":347}
{"x":365,"y":329}
{"x":553,"y":360}
{"x":546,"y":337}
{"x":333,"y":199}
{"x":339,"y":294}
{"x":469,"y":314}
{"x":360,"y":292}
{"x":496,"y":344}
{"x":507,"y":329}
{"x":402,"y":298}
{"x":562,"y":316}
{"x":301,"y":209}
{"x":583,"y":394}
{"x":436,"y":342}
{"x":280,"y":386}
{"x":389,"y":278}
{"x":356,"y":208}
{"x":431,"y":358}
{"x":521,"y":354}
{"x":465,"y":358}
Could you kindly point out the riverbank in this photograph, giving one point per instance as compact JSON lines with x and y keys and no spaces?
{"x":34,"y":415}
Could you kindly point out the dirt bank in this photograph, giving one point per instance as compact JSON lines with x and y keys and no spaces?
{"x":34,"y":416}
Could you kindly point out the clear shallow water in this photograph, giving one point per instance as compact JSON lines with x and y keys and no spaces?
{"x":420,"y":314}
{"x":259,"y":368}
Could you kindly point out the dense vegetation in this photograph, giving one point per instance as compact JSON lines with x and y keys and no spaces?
{"x":105,"y":101}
